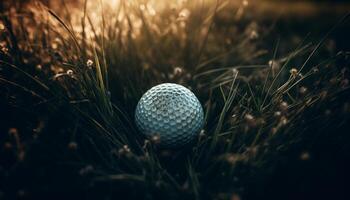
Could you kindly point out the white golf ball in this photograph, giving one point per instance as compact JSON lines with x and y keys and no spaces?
{"x":171,"y":112}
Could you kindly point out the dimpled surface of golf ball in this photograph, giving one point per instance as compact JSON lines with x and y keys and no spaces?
{"x":171,"y":112}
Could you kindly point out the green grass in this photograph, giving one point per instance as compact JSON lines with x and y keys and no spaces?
{"x":78,"y":85}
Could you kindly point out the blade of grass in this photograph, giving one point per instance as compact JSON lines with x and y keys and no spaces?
{"x":75,"y":40}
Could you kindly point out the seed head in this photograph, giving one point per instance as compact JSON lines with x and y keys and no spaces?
{"x":3,"y":47}
{"x":89,"y":63}
{"x":253,"y":35}
{"x":277,"y":114}
{"x":155,"y":139}
{"x":142,"y":7}
{"x":184,"y":14}
{"x":178,"y":71}
{"x":70,"y":72}
{"x":315,"y":70}
{"x":302,"y":90}
{"x":249,"y":117}
{"x":284,"y":106}
{"x":293,"y":72}
{"x":125,"y":150}
{"x":235,"y":71}
{"x":250,"y":120}
{"x":39,"y":67}
{"x":275,"y":65}
{"x":284,"y":120}
{"x":54,"y":45}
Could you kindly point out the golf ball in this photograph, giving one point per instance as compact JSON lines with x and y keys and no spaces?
{"x":171,"y":112}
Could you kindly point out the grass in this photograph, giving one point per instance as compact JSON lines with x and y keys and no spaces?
{"x":71,"y":82}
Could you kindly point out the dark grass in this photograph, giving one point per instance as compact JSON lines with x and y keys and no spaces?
{"x":277,"y":108}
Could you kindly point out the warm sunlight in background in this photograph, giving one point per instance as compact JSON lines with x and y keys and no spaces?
{"x":100,"y":13}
